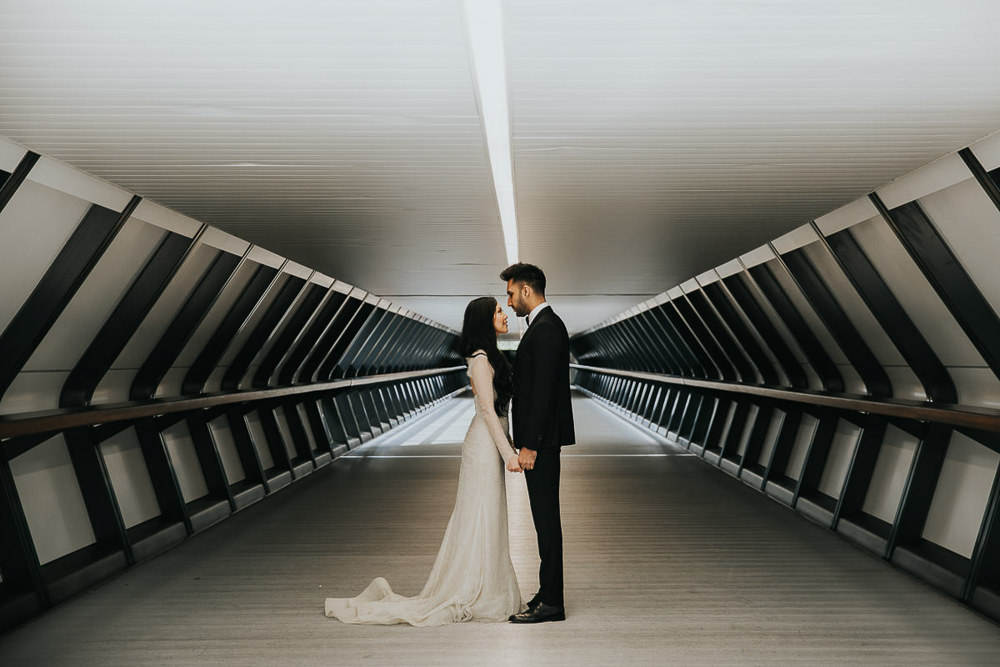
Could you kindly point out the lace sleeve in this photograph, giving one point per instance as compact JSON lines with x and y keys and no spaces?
{"x":481,"y":375}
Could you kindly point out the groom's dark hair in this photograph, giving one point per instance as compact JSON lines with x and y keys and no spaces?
{"x":529,"y":274}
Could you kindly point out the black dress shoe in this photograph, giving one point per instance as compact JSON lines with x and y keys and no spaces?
{"x":540,"y":613}
{"x":534,"y":601}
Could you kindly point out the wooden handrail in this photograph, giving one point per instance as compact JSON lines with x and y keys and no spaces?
{"x":982,"y":419}
{"x":51,"y":421}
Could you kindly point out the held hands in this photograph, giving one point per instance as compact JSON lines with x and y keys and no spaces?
{"x":526,"y":458}
{"x":513,"y":465}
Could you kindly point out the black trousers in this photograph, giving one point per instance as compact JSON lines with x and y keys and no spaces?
{"x":543,"y":494}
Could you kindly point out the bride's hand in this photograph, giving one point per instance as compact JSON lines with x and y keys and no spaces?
{"x":513,"y":465}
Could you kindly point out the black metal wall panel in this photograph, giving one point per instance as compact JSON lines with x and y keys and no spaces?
{"x":151,"y":473}
{"x":870,"y":469}
{"x":717,"y":295}
{"x":898,"y":325}
{"x":701,"y":363}
{"x":177,"y":334}
{"x":310,"y":338}
{"x":331,"y":365}
{"x":743,"y":295}
{"x":331,"y":335}
{"x":720,"y":360}
{"x":206,"y":362}
{"x":362,"y":342}
{"x":290,"y":333}
{"x":838,"y":323}
{"x":952,"y":283}
{"x":131,"y":309}
{"x":732,"y":346}
{"x":817,"y":356}
{"x":72,"y":265}
{"x":265,"y":327}
{"x":9,"y":183}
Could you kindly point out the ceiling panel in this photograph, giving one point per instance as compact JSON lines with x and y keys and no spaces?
{"x":655,"y":140}
{"x":651,"y":140}
{"x":343,"y":135}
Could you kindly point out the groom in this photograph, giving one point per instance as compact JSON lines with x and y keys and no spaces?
{"x":543,"y":421}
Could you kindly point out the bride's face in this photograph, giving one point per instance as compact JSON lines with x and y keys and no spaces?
{"x":500,"y":320}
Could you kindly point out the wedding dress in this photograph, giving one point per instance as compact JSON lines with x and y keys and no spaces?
{"x":473,"y":577}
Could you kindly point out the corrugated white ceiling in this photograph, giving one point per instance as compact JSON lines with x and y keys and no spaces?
{"x":651,"y":140}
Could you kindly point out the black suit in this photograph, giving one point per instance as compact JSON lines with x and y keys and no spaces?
{"x":543,"y":421}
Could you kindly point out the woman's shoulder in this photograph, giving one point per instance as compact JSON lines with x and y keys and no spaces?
{"x":479,"y":358}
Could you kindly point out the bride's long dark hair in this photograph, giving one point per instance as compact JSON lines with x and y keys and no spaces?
{"x":478,"y":334}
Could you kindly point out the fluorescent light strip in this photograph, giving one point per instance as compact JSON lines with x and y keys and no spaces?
{"x":484,"y":21}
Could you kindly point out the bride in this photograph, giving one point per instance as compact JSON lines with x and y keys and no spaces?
{"x":473,"y":578}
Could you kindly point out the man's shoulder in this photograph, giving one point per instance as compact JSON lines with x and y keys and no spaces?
{"x":548,"y":318}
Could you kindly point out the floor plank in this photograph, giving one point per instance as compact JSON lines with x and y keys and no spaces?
{"x":667,"y":562}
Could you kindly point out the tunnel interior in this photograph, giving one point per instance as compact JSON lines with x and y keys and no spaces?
{"x":162,"y":372}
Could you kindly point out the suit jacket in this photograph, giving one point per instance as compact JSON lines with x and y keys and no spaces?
{"x":542,"y":412}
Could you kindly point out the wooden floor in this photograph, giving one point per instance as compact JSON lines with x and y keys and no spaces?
{"x":667,"y":562}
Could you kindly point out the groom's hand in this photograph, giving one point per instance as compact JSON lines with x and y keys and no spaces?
{"x":526,"y":457}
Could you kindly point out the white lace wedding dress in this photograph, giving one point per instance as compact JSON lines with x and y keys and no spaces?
{"x":473,"y":578}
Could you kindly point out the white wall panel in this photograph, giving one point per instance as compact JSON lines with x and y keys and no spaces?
{"x":915,"y":294}
{"x":779,"y":325}
{"x":60,"y":176}
{"x":93,"y":303}
{"x":889,"y":477}
{"x":214,"y":381}
{"x":303,"y":416}
{"x":163,"y":312}
{"x":152,"y":213}
{"x":852,"y":382}
{"x":838,"y":461}
{"x":53,"y":505}
{"x":854,"y":306}
{"x":312,"y":319}
{"x":747,"y":429}
{"x":34,"y":391}
{"x":226,"y":446}
{"x":114,"y":387}
{"x":970,"y":224}
{"x":757,"y":256}
{"x":924,"y":181}
{"x":130,"y":478}
{"x":905,"y":383}
{"x":795,"y":239}
{"x":259,"y":440}
{"x":960,"y":497}
{"x":770,"y":437}
{"x":187,"y":468}
{"x":765,"y":346}
{"x":10,"y":154}
{"x":265,"y":257}
{"x":215,"y":315}
{"x":217,"y":238}
{"x":172,"y":381}
{"x":987,"y":151}
{"x":847,"y":216}
{"x":727,"y":424}
{"x":265,"y":349}
{"x":976,"y":386}
{"x":286,"y":434}
{"x":252,"y":320}
{"x":803,"y":438}
{"x":26,"y":254}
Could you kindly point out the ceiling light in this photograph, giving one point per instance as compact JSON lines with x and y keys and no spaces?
{"x":484,"y":20}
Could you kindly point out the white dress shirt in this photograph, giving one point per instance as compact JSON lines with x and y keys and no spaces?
{"x":537,"y":309}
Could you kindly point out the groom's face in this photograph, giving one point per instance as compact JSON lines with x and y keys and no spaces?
{"x":517,"y":297}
